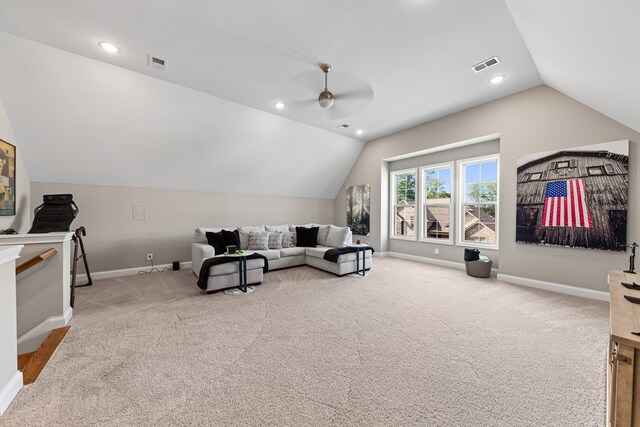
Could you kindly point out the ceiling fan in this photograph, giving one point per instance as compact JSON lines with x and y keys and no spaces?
{"x":348,"y":96}
{"x":326,"y":99}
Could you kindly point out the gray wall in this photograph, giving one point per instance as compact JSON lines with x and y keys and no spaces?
{"x":535,"y":120}
{"x":21,"y":221}
{"x":427,"y":249}
{"x":115,"y":241}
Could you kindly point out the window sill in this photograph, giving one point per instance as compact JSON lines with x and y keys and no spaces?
{"x":437,"y":241}
{"x":478,"y":245}
{"x":408,"y":239}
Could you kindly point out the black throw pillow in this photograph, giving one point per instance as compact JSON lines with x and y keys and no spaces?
{"x":307,"y":237}
{"x":217,"y":241}
{"x":231,"y":238}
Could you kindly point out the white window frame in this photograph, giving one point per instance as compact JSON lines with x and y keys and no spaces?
{"x":423,"y":203}
{"x":461,"y":203}
{"x":392,"y":204}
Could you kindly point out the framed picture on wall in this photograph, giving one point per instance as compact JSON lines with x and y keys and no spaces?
{"x":576,"y":197}
{"x":358,"y":208}
{"x":7,"y":179}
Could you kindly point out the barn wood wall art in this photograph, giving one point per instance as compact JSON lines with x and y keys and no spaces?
{"x":574,"y":198}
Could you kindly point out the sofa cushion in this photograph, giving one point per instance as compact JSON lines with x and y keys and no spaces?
{"x":307,"y":237}
{"x":281,"y":228}
{"x":244,"y":231}
{"x":337,"y":236}
{"x":217,"y":241}
{"x":232,"y":267}
{"x":285,"y":252}
{"x":258,"y":240}
{"x":270,"y":253}
{"x":275,"y":240}
{"x":323,"y":233}
{"x":317,"y":252}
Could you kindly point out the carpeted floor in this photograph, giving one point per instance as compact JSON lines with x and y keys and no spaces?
{"x":410,"y":344}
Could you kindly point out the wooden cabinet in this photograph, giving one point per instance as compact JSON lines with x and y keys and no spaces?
{"x":623,"y":372}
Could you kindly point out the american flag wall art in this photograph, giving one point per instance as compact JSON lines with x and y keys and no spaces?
{"x":575,"y":197}
{"x":565,"y":205}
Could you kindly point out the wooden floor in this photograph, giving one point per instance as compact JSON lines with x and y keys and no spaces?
{"x":31,"y":364}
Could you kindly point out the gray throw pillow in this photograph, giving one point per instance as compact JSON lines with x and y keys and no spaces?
{"x":258,"y":241}
{"x":289,"y":240}
{"x":275,"y":240}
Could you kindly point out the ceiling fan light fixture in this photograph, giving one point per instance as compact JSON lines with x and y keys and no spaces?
{"x":325,"y":99}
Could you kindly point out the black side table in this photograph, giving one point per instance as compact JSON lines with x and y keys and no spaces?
{"x":361,"y":248}
{"x":242,"y":274}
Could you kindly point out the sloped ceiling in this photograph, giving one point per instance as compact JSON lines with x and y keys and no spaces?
{"x":83,"y":121}
{"x":588,"y":50}
{"x":82,"y":115}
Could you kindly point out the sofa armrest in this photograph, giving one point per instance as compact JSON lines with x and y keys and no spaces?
{"x":200,"y":252}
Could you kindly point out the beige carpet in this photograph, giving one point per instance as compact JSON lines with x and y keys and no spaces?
{"x":410,"y":344}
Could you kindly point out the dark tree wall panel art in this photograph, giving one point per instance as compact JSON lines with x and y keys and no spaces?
{"x":358,"y":208}
{"x":574,"y":198}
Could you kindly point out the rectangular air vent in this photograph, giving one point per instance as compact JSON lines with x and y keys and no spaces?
{"x":157,"y":63}
{"x":486,"y":64}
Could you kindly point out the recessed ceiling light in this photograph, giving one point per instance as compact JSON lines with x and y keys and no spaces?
{"x":109,"y":47}
{"x":279,"y":105}
{"x":359,"y":132}
{"x":496,"y":80}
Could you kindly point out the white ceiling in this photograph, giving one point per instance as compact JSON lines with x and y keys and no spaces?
{"x":191,"y":126}
{"x":415,"y":54}
{"x":585,"y":49}
{"x":83,"y":121}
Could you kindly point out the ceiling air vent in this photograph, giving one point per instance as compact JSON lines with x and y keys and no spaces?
{"x":157,"y":63}
{"x":486,"y":64}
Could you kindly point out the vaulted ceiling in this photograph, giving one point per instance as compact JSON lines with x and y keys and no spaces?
{"x":211,"y":113}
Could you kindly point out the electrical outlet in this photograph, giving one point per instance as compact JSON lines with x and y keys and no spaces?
{"x":149,"y":257}
{"x":437,"y":251}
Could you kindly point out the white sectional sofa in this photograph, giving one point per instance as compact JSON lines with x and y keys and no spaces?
{"x":226,"y":275}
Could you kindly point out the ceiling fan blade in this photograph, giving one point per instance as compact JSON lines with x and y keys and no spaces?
{"x":363,"y":93}
{"x":301,"y":104}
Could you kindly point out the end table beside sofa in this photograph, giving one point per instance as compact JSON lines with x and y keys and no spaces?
{"x":225,"y":276}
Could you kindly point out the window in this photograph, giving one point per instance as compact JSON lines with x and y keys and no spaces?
{"x":478,"y":213}
{"x":403,"y":196}
{"x":595,"y":170}
{"x":562,"y":165}
{"x":536,"y":176}
{"x":437,"y":206}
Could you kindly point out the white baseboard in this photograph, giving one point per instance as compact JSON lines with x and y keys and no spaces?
{"x":434,"y":261}
{"x":110,"y":274}
{"x":10,"y":390}
{"x":33,"y":338}
{"x":555,"y":287}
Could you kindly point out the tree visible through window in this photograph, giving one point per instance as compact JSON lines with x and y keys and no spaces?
{"x":404,"y":197}
{"x":479,"y":201}
{"x":437,"y":207}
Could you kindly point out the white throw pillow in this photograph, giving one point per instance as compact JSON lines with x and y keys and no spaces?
{"x":323,"y":233}
{"x":337,"y":236}
{"x":258,"y":241}
{"x":244,"y":231}
{"x":279,"y":228}
{"x":275,"y":240}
